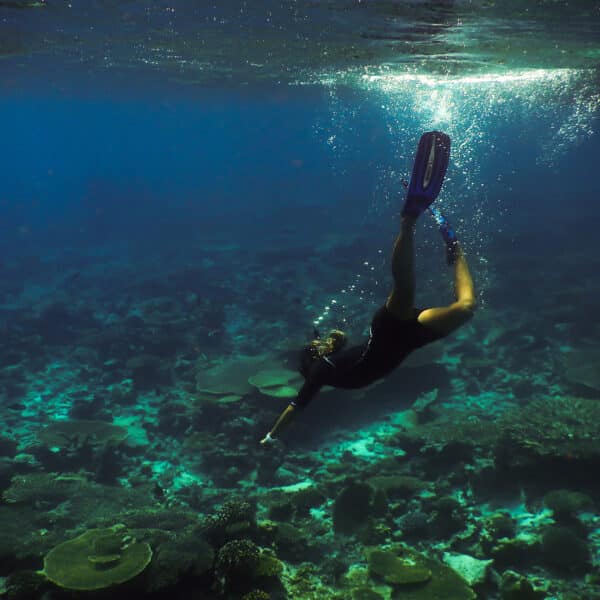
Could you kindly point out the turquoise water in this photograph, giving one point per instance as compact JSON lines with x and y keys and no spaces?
{"x":187,"y":192}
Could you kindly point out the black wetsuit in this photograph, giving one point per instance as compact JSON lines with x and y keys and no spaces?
{"x":390,"y":341}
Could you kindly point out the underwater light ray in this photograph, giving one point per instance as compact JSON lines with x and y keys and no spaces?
{"x":462,"y":106}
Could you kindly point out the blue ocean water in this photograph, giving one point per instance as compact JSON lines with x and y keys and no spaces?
{"x":187,"y":192}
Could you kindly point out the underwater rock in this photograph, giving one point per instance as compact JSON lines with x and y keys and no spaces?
{"x":7,"y":471}
{"x":414,"y":524}
{"x":515,"y":552}
{"x":473,"y":570}
{"x":148,"y":371}
{"x":171,"y":519}
{"x":563,"y":550}
{"x":430,"y":578}
{"x":24,"y":585}
{"x":305,"y":499}
{"x":397,"y":486}
{"x":174,"y":419}
{"x":583,"y":369}
{"x":256,"y":595}
{"x":74,"y":434}
{"x":375,"y":532}
{"x":292,"y":544}
{"x":563,"y":429}
{"x":393,"y":570}
{"x":122,"y":393}
{"x":565,"y":503}
{"x":70,"y":445}
{"x":365,"y":593}
{"x":446,"y":442}
{"x":423,"y":406}
{"x":278,"y":383}
{"x":230,"y":376}
{"x":176,"y":537}
{"x":380,"y":504}
{"x":268,"y":565}
{"x":44,"y":487}
{"x":23,"y":542}
{"x":8,"y":446}
{"x":352,"y":507}
{"x":448,"y":517}
{"x":93,"y":408}
{"x":184,"y":554}
{"x":516,"y":587}
{"x":280,"y":510}
{"x":500,"y":525}
{"x":97,"y":559}
{"x":58,"y":324}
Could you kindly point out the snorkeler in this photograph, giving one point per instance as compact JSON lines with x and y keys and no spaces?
{"x":398,"y":327}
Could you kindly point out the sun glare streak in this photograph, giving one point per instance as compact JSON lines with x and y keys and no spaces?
{"x":391,"y":81}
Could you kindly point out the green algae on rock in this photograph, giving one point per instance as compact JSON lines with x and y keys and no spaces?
{"x":365,"y":593}
{"x":392,"y":569}
{"x":292,"y":543}
{"x":516,"y":587}
{"x":78,"y":433}
{"x":567,"y":502}
{"x":417,"y":577}
{"x":256,"y":595}
{"x":566,"y":428}
{"x":500,"y":525}
{"x":97,"y":559}
{"x":352,"y":507}
{"x":473,"y":570}
{"x":564,"y":550}
{"x":275,"y":382}
{"x":400,"y":486}
{"x":229,"y":377}
{"x":49,"y":487}
{"x":305,"y":499}
{"x":268,"y":565}
{"x":583,"y":369}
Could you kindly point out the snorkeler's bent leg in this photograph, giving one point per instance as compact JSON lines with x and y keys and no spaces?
{"x":401,"y":301}
{"x":445,"y":320}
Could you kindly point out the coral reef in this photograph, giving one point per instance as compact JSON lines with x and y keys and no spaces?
{"x":416,"y":576}
{"x":97,"y":559}
{"x":351,"y":508}
{"x":142,"y":402}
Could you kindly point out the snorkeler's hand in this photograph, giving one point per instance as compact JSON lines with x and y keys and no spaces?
{"x":267,"y":440}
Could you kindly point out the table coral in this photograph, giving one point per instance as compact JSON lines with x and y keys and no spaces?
{"x":99,"y":558}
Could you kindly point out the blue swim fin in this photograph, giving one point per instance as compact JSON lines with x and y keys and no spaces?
{"x":429,"y":169}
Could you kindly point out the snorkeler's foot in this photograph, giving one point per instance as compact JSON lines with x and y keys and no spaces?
{"x":448,"y":235}
{"x":429,"y":170}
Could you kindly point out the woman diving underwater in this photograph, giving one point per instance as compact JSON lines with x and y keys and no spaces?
{"x":398,"y":327}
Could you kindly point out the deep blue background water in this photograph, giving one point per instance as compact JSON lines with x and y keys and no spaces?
{"x":112,"y":155}
{"x":144,"y":169}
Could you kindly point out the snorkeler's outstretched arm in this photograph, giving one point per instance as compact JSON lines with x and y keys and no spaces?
{"x":282,"y":422}
{"x":308,"y":391}
{"x":445,"y":320}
